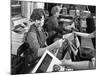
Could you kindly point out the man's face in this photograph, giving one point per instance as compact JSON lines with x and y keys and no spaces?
{"x":57,"y":14}
{"x":40,"y":23}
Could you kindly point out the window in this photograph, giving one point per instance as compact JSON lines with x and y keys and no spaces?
{"x":16,"y":9}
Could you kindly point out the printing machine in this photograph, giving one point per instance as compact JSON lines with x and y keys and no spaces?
{"x":49,"y":61}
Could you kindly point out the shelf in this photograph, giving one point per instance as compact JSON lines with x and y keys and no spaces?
{"x":15,"y":5}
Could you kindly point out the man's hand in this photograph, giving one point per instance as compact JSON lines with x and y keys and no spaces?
{"x":66,"y":62}
{"x":59,"y":43}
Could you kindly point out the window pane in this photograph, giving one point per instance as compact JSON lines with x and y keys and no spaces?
{"x":16,"y":10}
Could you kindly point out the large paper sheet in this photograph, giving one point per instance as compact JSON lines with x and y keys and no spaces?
{"x":69,"y":36}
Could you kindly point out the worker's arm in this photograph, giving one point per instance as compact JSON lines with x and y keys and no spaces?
{"x":91,"y":35}
{"x":81,"y":65}
{"x":56,"y":44}
{"x":82,"y":34}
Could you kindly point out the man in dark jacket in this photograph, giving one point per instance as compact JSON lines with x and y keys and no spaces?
{"x":53,"y":25}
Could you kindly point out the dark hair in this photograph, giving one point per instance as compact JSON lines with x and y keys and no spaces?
{"x":37,"y":14}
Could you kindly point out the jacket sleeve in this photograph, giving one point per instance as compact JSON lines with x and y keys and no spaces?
{"x":33,"y":42}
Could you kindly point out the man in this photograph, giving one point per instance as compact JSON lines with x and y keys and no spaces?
{"x":52,"y":24}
